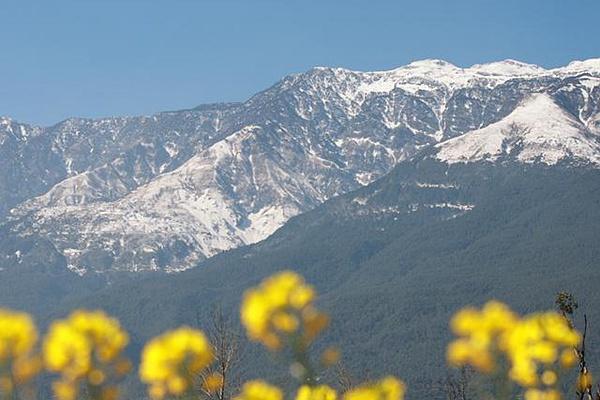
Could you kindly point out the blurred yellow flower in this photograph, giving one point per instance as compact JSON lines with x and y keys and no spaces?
{"x":18,"y":334}
{"x":549,"y":378}
{"x":6,"y":386}
{"x":85,"y":348}
{"x":64,"y":390}
{"x":537,"y":339}
{"x":536,"y":394}
{"x":471,"y":352}
{"x":171,"y":362}
{"x":389,"y":388}
{"x":330,"y":356}
{"x":494,"y":318}
{"x":528,"y":343}
{"x":18,"y":338}
{"x":259,"y":390}
{"x":322,"y":392}
{"x":568,"y":358}
{"x":478,"y":330}
{"x":213,"y":382}
{"x":109,"y":393}
{"x":281,"y":305}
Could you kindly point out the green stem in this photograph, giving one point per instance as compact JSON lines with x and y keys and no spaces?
{"x":302,"y":358}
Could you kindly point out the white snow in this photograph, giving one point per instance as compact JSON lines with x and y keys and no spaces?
{"x":592,"y":64}
{"x":456,"y":206}
{"x":590,"y":82}
{"x":428,"y":185}
{"x":266,"y":221}
{"x":364,"y":178}
{"x":508,"y":68}
{"x":427,"y":75}
{"x":171,"y":149}
{"x":540,"y":128}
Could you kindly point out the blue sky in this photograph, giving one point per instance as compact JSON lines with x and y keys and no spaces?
{"x":124,"y":57}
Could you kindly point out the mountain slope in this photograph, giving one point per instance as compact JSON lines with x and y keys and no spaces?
{"x":120,"y":152}
{"x":395,"y":259}
{"x":194,"y":183}
{"x":537,"y":130}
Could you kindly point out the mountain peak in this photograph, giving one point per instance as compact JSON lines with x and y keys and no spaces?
{"x":5,"y":120}
{"x":507,"y":67}
{"x":432,"y":63}
{"x":592,"y":64}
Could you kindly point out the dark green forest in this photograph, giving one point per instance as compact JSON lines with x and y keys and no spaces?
{"x":391,"y":261}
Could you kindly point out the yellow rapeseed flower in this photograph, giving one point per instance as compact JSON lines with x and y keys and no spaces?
{"x":330,"y":356}
{"x":536,"y":340}
{"x":471,"y":352}
{"x":322,"y":392}
{"x":389,"y":388}
{"x":18,"y":334}
{"x":6,"y":385}
{"x":536,"y":394}
{"x":530,"y":344}
{"x":213,"y":382}
{"x":18,"y":338}
{"x":494,"y":318}
{"x":478,"y":331}
{"x":86,"y":348}
{"x":109,"y":393}
{"x":568,"y":358}
{"x":549,"y":378}
{"x":259,"y":390}
{"x":172,"y":361}
{"x":281,"y":305}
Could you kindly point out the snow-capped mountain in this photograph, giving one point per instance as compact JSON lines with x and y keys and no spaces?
{"x":165,"y":191}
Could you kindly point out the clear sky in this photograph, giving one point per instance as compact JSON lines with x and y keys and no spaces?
{"x":124,"y":57}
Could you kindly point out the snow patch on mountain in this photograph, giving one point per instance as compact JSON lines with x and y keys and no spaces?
{"x":508,"y":69}
{"x":430,"y":74}
{"x":538,"y":130}
{"x":591,"y":65}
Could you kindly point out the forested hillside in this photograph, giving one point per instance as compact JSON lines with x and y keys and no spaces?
{"x":395,"y":259}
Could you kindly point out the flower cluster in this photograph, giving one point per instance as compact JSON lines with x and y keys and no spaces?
{"x":18,"y":360}
{"x":86,"y":350}
{"x":539,"y":339}
{"x":479,"y":332}
{"x":388,"y":388}
{"x":537,"y":394}
{"x":259,"y":390}
{"x":534,"y":345}
{"x":172,"y":362}
{"x":321,"y":392}
{"x":281,"y":311}
{"x":281,"y":306}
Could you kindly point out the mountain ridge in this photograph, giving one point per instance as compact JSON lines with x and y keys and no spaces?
{"x":166,"y":191}
{"x":575,"y":65}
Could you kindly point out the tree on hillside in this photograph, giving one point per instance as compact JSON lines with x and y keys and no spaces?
{"x":227,"y":347}
{"x":567,"y":305}
{"x":457,"y":385}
